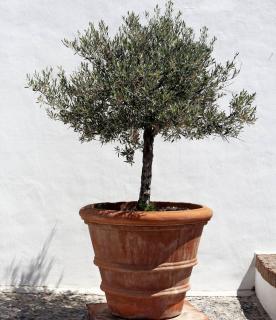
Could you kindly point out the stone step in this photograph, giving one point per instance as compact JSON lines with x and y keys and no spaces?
{"x":266,"y":265}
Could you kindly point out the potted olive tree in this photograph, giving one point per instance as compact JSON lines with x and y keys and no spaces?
{"x":151,"y":78}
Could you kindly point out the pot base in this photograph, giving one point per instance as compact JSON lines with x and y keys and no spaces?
{"x":100,"y":311}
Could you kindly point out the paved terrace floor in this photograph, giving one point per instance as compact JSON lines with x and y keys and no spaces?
{"x":49,"y":306}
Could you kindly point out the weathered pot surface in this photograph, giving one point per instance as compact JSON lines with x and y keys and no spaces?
{"x":145,"y":257}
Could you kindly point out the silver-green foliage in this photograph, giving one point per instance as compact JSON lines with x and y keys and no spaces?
{"x":152,"y":74}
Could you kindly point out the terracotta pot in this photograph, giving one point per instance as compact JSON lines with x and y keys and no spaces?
{"x":145,"y":258}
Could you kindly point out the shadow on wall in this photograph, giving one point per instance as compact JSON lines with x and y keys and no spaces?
{"x":37,"y":271}
{"x":31,"y":279}
{"x":248,"y":281}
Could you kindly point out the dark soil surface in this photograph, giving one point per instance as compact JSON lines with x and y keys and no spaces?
{"x":68,"y":306}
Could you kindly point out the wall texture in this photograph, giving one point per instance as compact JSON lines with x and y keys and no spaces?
{"x":46,"y":175}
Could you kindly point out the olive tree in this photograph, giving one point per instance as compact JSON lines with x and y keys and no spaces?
{"x":153,"y":77}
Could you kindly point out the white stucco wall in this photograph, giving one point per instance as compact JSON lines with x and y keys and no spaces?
{"x":46,"y":175}
{"x":266,"y":294}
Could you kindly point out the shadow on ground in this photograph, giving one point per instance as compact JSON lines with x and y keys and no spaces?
{"x":44,"y":306}
{"x":252,"y":308}
{"x":50,"y":306}
{"x":230,"y":308}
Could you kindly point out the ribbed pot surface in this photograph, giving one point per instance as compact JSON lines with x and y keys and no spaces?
{"x":145,"y":258}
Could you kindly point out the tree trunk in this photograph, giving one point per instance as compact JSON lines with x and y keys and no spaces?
{"x":144,"y":197}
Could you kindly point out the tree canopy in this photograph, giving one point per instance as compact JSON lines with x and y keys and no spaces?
{"x":153,"y":73}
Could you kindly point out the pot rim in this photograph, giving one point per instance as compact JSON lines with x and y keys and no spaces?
{"x":195,"y":214}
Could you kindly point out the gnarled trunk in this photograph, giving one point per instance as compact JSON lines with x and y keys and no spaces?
{"x":144,"y":197}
